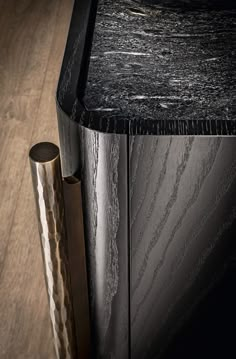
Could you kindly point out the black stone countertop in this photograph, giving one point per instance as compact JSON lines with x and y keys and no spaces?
{"x":158,"y":69}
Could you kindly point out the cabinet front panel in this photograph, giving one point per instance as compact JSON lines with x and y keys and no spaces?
{"x":105,"y":202}
{"x":183,"y":224}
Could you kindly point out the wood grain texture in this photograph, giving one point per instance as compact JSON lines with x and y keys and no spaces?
{"x":104,"y":187}
{"x":16,"y":127}
{"x":32,"y":42}
{"x":26,"y":40}
{"x":183,"y":218}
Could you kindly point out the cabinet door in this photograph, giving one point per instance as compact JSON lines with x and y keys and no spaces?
{"x":183,"y":224}
{"x":105,"y":204}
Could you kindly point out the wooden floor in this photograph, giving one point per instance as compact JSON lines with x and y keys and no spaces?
{"x":32,"y":41}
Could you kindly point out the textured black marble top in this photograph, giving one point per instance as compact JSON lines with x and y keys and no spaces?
{"x":158,"y":69}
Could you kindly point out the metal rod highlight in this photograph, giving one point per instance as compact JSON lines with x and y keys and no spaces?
{"x":48,"y":191}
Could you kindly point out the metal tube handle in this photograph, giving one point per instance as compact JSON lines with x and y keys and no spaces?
{"x":48,"y":191}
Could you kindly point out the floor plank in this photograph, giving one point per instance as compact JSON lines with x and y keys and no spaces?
{"x":32,"y":43}
{"x":26,"y":40}
{"x":16,"y":130}
{"x":46,"y":126}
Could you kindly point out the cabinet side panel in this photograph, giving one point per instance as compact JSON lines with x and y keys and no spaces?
{"x":104,"y":187}
{"x":183,"y":226}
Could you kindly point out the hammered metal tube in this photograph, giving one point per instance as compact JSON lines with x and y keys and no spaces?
{"x":48,"y":191}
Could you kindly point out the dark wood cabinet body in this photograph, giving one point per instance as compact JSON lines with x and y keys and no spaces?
{"x":160,"y":225}
{"x":183,"y":226}
{"x":146,"y":114}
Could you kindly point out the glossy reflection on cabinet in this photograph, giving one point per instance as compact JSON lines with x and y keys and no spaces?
{"x":183,"y":224}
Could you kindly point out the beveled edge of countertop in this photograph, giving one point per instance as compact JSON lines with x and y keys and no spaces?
{"x":72,"y":85}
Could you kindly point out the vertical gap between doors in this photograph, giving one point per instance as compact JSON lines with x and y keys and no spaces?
{"x":129,"y":246}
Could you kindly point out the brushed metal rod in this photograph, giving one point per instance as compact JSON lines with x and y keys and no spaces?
{"x":48,"y":191}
